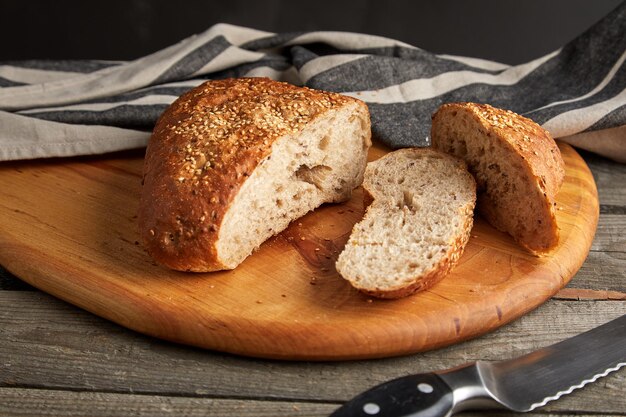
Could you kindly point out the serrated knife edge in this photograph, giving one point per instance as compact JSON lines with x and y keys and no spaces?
{"x":577,"y":386}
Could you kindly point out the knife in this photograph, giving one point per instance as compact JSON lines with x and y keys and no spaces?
{"x":521,"y":384}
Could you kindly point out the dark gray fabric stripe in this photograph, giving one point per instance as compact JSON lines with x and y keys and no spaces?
{"x":400,"y":125}
{"x":584,"y":62}
{"x":420,"y":56}
{"x":613,"y":119}
{"x":192,"y":62}
{"x":129,"y":116}
{"x":614,"y":87}
{"x":301,"y":55}
{"x":8,"y":83}
{"x":277,"y":63}
{"x":86,"y":66}
{"x":560,"y":78}
{"x":408,"y":124}
{"x":320,"y":48}
{"x":134,"y":95}
{"x":383,"y":68}
{"x":374,"y":72}
{"x":577,"y":69}
{"x":572,"y":73}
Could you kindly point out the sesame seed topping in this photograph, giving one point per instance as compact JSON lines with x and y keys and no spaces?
{"x":223,"y":118}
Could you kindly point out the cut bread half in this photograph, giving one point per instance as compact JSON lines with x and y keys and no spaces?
{"x":233,"y":161}
{"x":416,"y":227}
{"x":517,"y":165}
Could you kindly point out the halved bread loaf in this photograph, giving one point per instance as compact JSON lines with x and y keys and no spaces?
{"x":232,"y":162}
{"x":415,"y":228}
{"x":517,"y":165}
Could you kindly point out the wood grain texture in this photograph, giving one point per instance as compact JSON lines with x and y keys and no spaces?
{"x":40,"y":403}
{"x":586,"y":294}
{"x":610,"y":235}
{"x":46,"y":403}
{"x":602,"y":271}
{"x":610,"y":178}
{"x":47,"y":344}
{"x":69,"y":227}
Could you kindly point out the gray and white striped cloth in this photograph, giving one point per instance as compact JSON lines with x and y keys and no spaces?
{"x":65,"y":108}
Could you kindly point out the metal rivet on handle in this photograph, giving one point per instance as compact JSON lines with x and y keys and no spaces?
{"x":371,"y":409}
{"x":425,"y":388}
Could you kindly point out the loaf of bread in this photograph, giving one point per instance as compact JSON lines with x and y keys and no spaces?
{"x":233,"y":162}
{"x":517,"y":166}
{"x":416,"y":226}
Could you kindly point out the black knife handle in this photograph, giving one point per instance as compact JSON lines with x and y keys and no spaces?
{"x":422,"y":395}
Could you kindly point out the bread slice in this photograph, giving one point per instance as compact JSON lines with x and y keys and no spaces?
{"x":415,"y":228}
{"x":517,"y":165}
{"x":233,"y":162}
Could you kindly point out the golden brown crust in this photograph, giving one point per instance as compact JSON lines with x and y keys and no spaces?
{"x":538,"y":152}
{"x":531,"y":141}
{"x":202,"y":150}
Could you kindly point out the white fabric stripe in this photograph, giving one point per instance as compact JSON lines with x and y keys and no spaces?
{"x":110,"y":81}
{"x":321,"y":64}
{"x":426,"y":88}
{"x":32,"y":75}
{"x":26,"y":138}
{"x":230,"y":57}
{"x":476,"y":62}
{"x":607,"y":79}
{"x":289,"y":75}
{"x":95,"y":107}
{"x":347,"y":40}
{"x":578,"y":120}
{"x":606,"y":142}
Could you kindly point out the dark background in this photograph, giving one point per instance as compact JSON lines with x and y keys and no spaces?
{"x":503,"y":30}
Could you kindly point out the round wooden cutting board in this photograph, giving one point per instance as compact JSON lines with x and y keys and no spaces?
{"x":69,"y":228}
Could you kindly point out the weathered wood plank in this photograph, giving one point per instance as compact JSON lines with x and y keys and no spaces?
{"x":34,"y":402}
{"x":46,"y":343}
{"x":610,"y":178}
{"x":612,"y":209}
{"x":602,"y":271}
{"x":569,"y":293}
{"x":16,"y":402}
{"x":610,"y":233}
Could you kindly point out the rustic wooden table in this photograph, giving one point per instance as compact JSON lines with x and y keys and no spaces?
{"x":56,"y":359}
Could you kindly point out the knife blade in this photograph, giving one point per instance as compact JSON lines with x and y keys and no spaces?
{"x":520,"y":384}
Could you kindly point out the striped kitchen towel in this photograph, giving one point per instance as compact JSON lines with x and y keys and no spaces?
{"x":65,"y":108}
